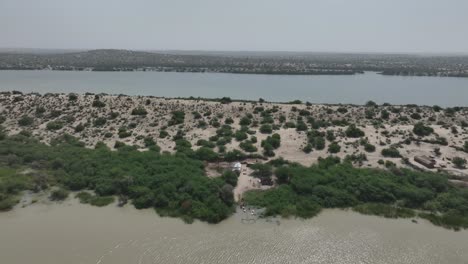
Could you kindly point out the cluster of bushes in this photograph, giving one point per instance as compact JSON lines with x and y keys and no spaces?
{"x":315,"y":139}
{"x":353,"y":132}
{"x":177,"y":118}
{"x":54,"y":125}
{"x":421,"y":130}
{"x":368,"y":147}
{"x":391,"y":152}
{"x":141,"y":111}
{"x":99,"y":104}
{"x":173,"y":184}
{"x":390,"y":193}
{"x":270,"y":144}
{"x":11,"y":184}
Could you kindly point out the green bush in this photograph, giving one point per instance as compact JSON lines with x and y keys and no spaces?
{"x":97,"y":103}
{"x":459,"y":162}
{"x":25,"y":121}
{"x":369,"y":147}
{"x":140,"y":110}
{"x":368,"y":191}
{"x":391,"y":152}
{"x":59,"y":195}
{"x":421,"y":130}
{"x":100,"y":121}
{"x":266,"y":129}
{"x":172,"y":180}
{"x":334,"y":147}
{"x":353,"y":132}
{"x":54,"y":125}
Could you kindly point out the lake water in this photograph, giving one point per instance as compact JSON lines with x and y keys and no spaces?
{"x":73,"y":233}
{"x":355,"y":89}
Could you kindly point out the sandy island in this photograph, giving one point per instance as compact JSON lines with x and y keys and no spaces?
{"x":114,"y":118}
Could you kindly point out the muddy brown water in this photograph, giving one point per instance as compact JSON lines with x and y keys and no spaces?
{"x":74,"y":233}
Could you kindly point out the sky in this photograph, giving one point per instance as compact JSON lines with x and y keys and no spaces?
{"x":394,"y":26}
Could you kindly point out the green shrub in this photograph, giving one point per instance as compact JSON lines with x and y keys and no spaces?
{"x":391,"y":152}
{"x":59,"y":195}
{"x":100,"y":121}
{"x":266,"y":129}
{"x":369,"y":147}
{"x":25,"y":121}
{"x":353,"y":132}
{"x":97,"y":103}
{"x":459,"y":162}
{"x":140,"y":110}
{"x":421,"y":130}
{"x":54,"y":125}
{"x":334,"y":147}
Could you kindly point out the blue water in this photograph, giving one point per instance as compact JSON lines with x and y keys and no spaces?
{"x":355,"y":89}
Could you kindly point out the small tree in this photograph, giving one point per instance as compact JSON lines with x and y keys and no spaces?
{"x":354,"y":132}
{"x":25,"y":121}
{"x":141,"y":111}
{"x":391,"y":152}
{"x":421,"y":130}
{"x":459,"y":162}
{"x":334,"y":148}
{"x":266,"y":129}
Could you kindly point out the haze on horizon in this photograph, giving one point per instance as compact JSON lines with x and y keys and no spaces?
{"x":398,"y":26}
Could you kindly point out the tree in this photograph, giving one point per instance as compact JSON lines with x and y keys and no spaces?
{"x":369,"y":147}
{"x":99,"y":104}
{"x":54,"y":125}
{"x":371,"y":104}
{"x":100,"y":121}
{"x":421,"y":130}
{"x":59,"y":194}
{"x":226,"y":100}
{"x":262,"y":170}
{"x":334,"y":147}
{"x":266,"y":129}
{"x":230,"y":177}
{"x":282,"y":175}
{"x":354,"y":132}
{"x":205,"y":153}
{"x":391,"y":152}
{"x":140,"y":110}
{"x":416,"y":116}
{"x":72,"y":97}
{"x":245,"y":121}
{"x":25,"y":121}
{"x":459,"y":162}
{"x":308,"y":148}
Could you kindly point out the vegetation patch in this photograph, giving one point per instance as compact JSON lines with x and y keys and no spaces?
{"x":389,"y":193}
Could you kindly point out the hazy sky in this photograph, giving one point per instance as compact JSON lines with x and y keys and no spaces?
{"x":287,"y":25}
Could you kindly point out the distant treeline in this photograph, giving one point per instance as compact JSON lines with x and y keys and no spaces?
{"x":293,"y":64}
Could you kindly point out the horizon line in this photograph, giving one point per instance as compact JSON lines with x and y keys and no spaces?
{"x":259,"y":51}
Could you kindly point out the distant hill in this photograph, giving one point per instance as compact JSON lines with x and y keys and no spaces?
{"x":236,"y":62}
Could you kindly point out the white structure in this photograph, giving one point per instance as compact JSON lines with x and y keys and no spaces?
{"x":237,"y":166}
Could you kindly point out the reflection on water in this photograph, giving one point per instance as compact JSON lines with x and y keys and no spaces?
{"x":74,"y":233}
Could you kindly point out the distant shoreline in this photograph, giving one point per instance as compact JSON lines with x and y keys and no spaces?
{"x":281,"y":64}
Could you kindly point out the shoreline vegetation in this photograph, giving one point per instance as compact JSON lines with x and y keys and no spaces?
{"x":175,"y":155}
{"x":277,"y":63}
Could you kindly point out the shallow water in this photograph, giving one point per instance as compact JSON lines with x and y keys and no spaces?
{"x":75,"y":233}
{"x":355,"y":89}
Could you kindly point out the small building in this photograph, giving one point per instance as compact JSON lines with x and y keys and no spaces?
{"x":425,"y":161}
{"x":237,"y":167}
